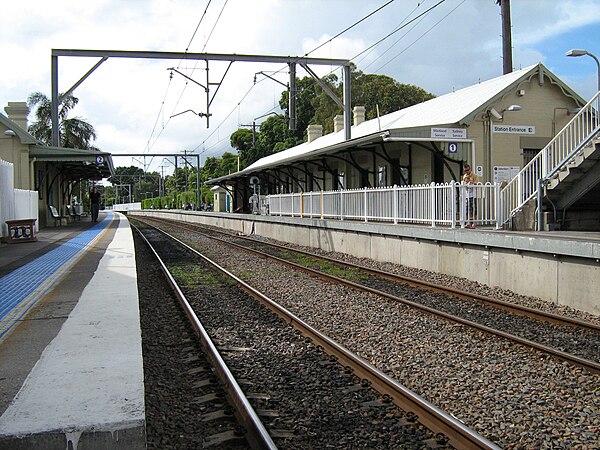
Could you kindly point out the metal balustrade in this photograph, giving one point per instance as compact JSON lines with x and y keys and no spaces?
{"x":566,"y":145}
{"x":431,"y":204}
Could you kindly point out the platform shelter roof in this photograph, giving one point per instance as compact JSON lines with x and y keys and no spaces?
{"x":77,"y":163}
{"x":457,"y":109}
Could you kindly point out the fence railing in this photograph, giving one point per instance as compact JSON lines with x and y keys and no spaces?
{"x":126,"y":206}
{"x":567,"y":144}
{"x":433,"y":204}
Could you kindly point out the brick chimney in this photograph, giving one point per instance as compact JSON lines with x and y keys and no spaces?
{"x":338,"y":123}
{"x":359,"y":115}
{"x":314,"y":132}
{"x":17,"y":112}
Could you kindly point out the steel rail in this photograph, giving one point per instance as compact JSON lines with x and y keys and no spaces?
{"x":496,"y":303}
{"x":591,"y":366}
{"x":258,"y":437}
{"x":458,"y":434}
{"x":500,"y":304}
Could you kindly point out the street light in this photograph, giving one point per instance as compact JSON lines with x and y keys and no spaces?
{"x":581,"y":52}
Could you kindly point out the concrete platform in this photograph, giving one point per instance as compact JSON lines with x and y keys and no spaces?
{"x":71,"y":373}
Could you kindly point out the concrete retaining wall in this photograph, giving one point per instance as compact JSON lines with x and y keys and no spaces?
{"x":556,"y":268}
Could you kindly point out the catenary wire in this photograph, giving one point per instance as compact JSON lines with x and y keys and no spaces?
{"x":161,"y":109}
{"x":422,"y":35}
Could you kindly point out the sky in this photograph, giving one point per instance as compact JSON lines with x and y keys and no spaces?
{"x":137,"y":107}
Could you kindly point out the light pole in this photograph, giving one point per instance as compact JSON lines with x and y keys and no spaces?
{"x":581,"y":52}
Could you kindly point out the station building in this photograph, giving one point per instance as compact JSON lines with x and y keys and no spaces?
{"x":35,"y":177}
{"x":497,"y":126}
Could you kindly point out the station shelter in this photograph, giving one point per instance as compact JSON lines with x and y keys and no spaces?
{"x":496,"y":126}
{"x":47,"y":177}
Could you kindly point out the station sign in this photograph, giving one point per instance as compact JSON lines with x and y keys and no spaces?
{"x":505,"y":173}
{"x":449,"y":133}
{"x":513,"y":129}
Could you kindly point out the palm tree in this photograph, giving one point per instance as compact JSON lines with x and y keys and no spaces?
{"x":73,"y":133}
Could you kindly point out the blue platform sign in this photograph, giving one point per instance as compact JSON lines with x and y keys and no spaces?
{"x":452,"y":147}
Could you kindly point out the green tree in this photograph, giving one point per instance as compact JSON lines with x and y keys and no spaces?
{"x":243,"y":141}
{"x":133,"y":179}
{"x":275,"y":136}
{"x":215,"y":167}
{"x":73,"y":132}
{"x":368,"y":90}
{"x":229,"y":163}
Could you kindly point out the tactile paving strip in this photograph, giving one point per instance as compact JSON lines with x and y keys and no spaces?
{"x":21,"y":289}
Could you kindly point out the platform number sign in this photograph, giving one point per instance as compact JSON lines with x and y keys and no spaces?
{"x":99,"y":160}
{"x":452,"y":147}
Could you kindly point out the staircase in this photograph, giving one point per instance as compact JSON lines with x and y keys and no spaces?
{"x":567,"y":169}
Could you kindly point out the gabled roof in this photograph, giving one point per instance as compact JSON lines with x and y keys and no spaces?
{"x":454,"y":109}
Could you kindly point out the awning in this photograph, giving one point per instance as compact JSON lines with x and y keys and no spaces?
{"x":76,"y":163}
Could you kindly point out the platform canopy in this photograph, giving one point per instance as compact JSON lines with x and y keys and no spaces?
{"x":456,"y":109}
{"x":75,"y":164}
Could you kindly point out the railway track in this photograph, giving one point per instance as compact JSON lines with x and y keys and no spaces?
{"x":514,"y":397}
{"x":348,"y":397}
{"x":571,"y":340}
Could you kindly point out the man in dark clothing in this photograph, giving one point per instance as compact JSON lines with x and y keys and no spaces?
{"x":95,"y":204}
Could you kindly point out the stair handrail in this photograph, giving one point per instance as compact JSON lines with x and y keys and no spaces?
{"x":574,"y":136}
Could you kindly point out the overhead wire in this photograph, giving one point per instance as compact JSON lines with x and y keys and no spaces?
{"x":350,"y":27}
{"x":427,"y":11}
{"x":341,"y":32}
{"x":422,"y":35}
{"x":196,"y":62}
{"x":397,"y":29}
{"x":161,"y":109}
{"x":405,"y":18}
{"x":331,"y":39}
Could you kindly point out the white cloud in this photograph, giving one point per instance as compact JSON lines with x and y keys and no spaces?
{"x":553,"y":19}
{"x":123,"y":98}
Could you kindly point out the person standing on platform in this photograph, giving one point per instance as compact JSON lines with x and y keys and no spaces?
{"x":470,"y":179}
{"x":95,"y":204}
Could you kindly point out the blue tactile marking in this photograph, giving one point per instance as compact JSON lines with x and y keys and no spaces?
{"x":20,"y":290}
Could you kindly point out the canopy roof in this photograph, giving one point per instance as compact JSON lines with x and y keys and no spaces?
{"x":455,"y":109}
{"x":78,"y":163}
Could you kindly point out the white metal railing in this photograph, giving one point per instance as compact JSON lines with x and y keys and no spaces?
{"x":126,"y":206}
{"x":567,"y":144}
{"x":431,"y":204}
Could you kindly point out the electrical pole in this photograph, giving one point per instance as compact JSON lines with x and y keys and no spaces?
{"x":507,"y":63}
{"x":161,"y":182}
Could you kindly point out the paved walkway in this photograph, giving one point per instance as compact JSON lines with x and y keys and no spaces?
{"x":71,"y":363}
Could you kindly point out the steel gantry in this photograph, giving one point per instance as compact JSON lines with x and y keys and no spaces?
{"x":291,"y":61}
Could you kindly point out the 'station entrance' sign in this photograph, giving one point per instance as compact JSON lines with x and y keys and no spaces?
{"x":514,"y":129}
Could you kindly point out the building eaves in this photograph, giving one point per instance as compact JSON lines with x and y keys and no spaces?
{"x":456,"y":109}
{"x":302,"y":155}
